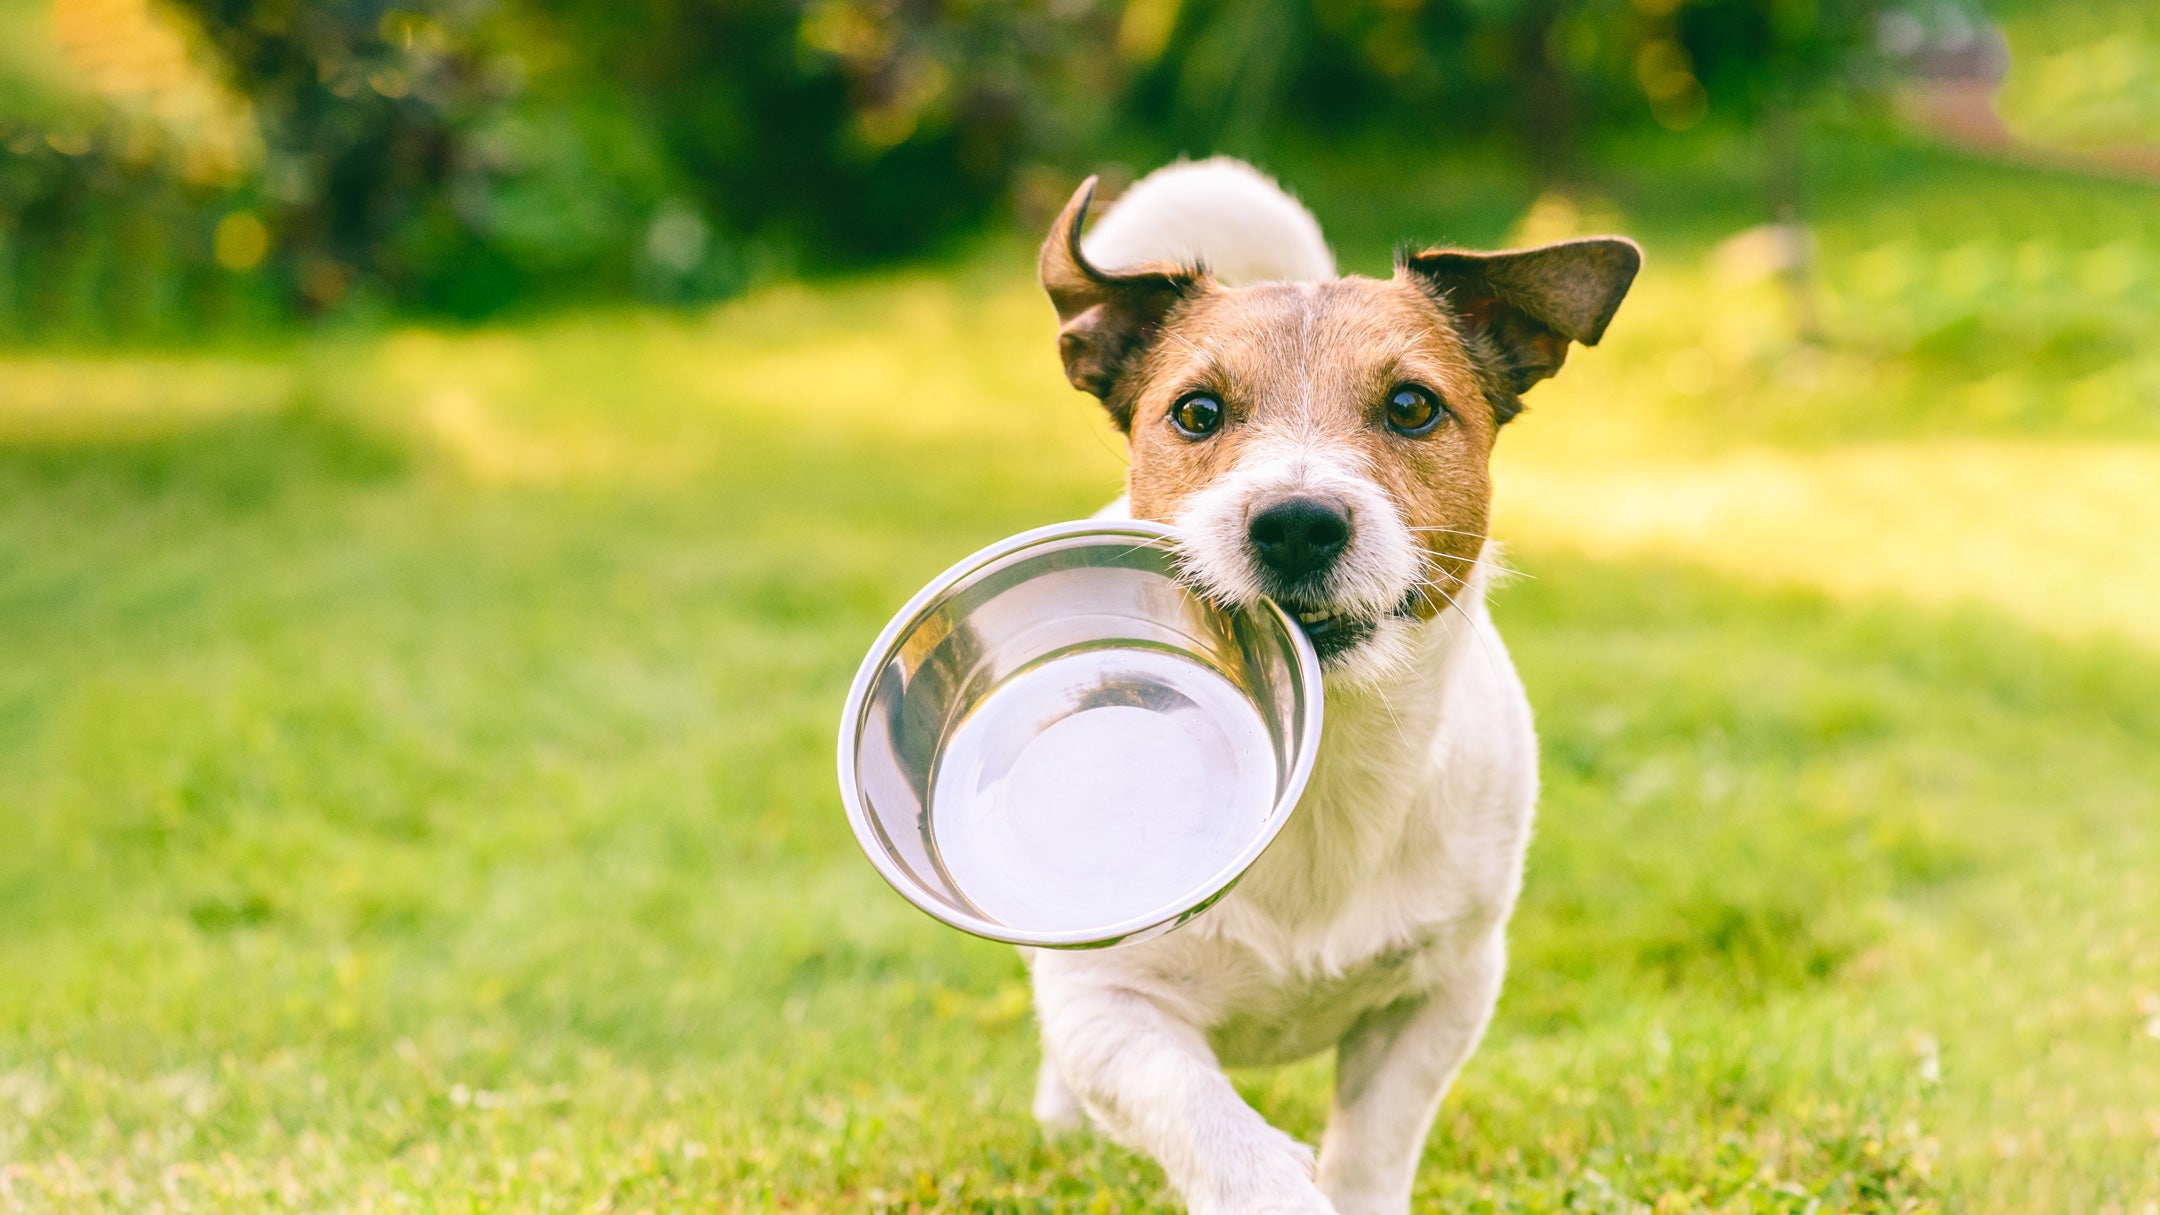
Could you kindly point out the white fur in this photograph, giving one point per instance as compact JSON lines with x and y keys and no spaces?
{"x":1374,"y":924}
{"x":1371,"y":578}
{"x":1222,"y":214}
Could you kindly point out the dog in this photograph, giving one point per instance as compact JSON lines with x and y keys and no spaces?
{"x":1323,"y":441}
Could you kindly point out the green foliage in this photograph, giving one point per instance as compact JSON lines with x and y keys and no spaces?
{"x":93,"y":246}
{"x":461,"y":159}
{"x":1546,"y":76}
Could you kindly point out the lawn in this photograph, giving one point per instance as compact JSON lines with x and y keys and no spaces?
{"x":415,"y":747}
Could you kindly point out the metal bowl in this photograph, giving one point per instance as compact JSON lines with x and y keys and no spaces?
{"x":1055,"y":743}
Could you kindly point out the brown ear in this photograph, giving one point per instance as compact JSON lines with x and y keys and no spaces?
{"x":1106,"y":320}
{"x":1532,"y":302}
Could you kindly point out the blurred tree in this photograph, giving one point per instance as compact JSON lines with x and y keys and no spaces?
{"x":1442,"y":71}
{"x":460,"y":156}
{"x":1770,"y":59}
{"x":365,"y":110}
{"x":117,"y":159}
{"x":1541,"y":72}
{"x":843,"y":130}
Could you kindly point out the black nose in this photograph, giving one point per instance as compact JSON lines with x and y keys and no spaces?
{"x":1298,"y":536}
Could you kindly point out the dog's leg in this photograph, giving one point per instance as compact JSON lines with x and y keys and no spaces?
{"x":1151,"y":1082}
{"x":1391,"y":1071}
{"x":1056,"y":1109}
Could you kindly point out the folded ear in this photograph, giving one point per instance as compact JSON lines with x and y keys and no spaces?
{"x":1106,"y":319}
{"x":1532,"y":302}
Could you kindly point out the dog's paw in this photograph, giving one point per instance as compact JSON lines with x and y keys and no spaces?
{"x":1305,"y":1201}
{"x":1359,"y":1202}
{"x":1278,"y":1181}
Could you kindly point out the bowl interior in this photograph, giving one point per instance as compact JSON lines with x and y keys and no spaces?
{"x":1057,"y":744}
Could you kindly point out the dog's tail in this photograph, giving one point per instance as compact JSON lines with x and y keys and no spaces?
{"x":1221,"y":214}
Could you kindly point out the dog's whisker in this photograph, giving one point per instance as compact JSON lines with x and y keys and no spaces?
{"x":1388,"y":703}
{"x":1468,"y":619}
{"x":1498,"y":570}
{"x":1485,"y":561}
{"x":1471,"y":621}
{"x":1434,"y":571}
{"x":1497,"y":567}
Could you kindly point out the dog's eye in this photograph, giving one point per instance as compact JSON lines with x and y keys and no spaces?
{"x":1197,"y":415}
{"x":1412,"y":411}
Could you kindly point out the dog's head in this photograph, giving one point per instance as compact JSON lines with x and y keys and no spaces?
{"x":1326,"y":444}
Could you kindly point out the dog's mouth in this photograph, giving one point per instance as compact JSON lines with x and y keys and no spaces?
{"x":1334,"y":631}
{"x":1337,"y":630}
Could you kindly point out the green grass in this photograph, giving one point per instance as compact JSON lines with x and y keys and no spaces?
{"x":416,"y":773}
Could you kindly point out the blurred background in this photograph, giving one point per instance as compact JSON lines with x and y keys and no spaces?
{"x":452,"y":456}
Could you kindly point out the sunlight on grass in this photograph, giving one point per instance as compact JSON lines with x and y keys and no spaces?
{"x":2082,"y":76}
{"x":2056,"y":537}
{"x":45,"y":399}
{"x":1640,"y":449}
{"x":645,"y":397}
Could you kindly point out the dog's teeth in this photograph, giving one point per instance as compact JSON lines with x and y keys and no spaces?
{"x":1315,"y":617}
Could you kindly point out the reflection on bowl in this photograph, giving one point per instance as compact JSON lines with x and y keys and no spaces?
{"x":1056,"y":743}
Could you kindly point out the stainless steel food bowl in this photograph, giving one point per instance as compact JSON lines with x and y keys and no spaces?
{"x":1055,"y":743}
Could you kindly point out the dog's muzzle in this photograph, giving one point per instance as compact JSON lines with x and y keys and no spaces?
{"x":1297,"y":537}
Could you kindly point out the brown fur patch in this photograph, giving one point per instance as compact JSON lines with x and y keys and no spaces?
{"x":1318,"y":361}
{"x":1531,"y":303}
{"x":1104,"y":320}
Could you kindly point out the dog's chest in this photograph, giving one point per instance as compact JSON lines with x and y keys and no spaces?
{"x":1288,"y":968}
{"x":1280,"y":1018}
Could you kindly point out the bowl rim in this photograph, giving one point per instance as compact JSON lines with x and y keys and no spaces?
{"x":1135,"y":928}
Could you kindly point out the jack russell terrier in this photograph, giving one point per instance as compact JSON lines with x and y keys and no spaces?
{"x":1321,"y":440}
